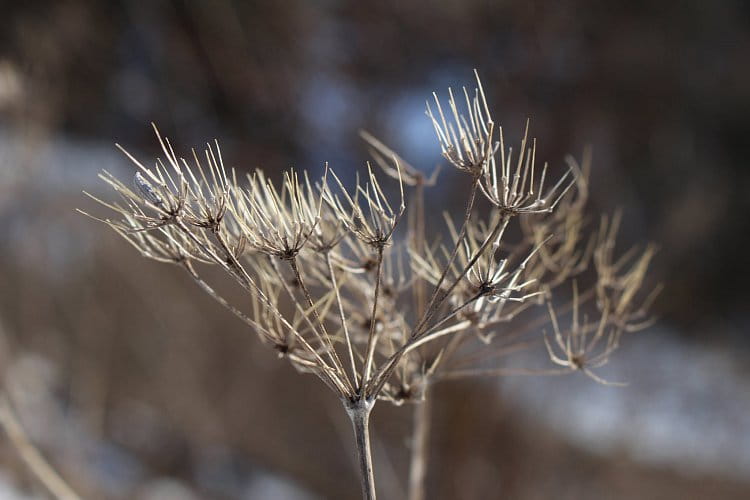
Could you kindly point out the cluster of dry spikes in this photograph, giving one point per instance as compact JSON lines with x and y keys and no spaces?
{"x":381,"y":314}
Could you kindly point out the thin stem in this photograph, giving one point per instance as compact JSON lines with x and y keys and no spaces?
{"x":230,"y":264}
{"x":497,"y":230}
{"x":359,"y":414}
{"x":235,"y":268}
{"x":333,"y":354}
{"x":188,"y":266}
{"x":343,"y":319}
{"x":453,"y":313}
{"x":432,"y":306}
{"x":456,"y":327}
{"x":414,"y":340}
{"x":344,"y":390}
{"x":503,"y":372}
{"x":371,"y":336}
{"x":31,"y":456}
{"x":419,"y":445}
{"x":419,"y":233}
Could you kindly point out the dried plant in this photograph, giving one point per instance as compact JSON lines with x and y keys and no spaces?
{"x":377,"y":316}
{"x":31,"y":456}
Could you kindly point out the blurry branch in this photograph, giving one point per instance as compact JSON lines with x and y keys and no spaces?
{"x":30,"y":455}
{"x":420,"y":446}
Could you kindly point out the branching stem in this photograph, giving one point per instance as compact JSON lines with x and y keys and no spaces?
{"x":432,"y":306}
{"x":329,"y":344}
{"x":496,"y":231}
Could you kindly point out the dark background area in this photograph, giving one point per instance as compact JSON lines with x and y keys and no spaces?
{"x":145,"y":379}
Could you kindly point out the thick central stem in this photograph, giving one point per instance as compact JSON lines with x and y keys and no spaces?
{"x":359,"y":413}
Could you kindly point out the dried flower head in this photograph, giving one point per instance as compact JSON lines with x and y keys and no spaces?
{"x":466,"y":141}
{"x":620,"y":281}
{"x":586,"y":345}
{"x":516,"y":190}
{"x":375,"y":316}
{"x":276,"y":222}
{"x":367,"y":213}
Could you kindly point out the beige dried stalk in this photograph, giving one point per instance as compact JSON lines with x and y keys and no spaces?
{"x":376,"y":317}
{"x":31,"y":456}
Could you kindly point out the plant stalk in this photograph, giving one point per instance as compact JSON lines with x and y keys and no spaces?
{"x":359,"y":414}
{"x":366,"y":369}
{"x":31,"y":456}
{"x":420,"y":446}
{"x":431,"y":306}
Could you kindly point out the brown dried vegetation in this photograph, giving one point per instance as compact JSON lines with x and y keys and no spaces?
{"x":378,"y":313}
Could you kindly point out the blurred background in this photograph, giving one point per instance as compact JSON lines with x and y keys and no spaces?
{"x":135,"y":385}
